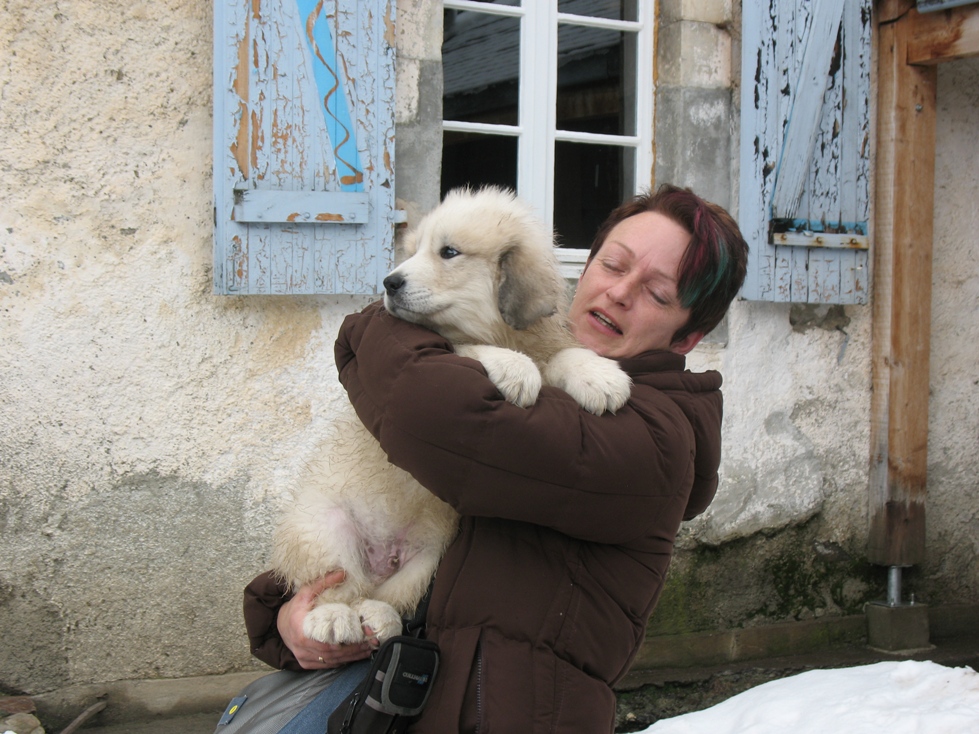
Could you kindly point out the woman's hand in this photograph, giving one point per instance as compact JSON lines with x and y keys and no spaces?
{"x":313,"y":654}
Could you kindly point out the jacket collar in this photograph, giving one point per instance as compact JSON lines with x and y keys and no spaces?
{"x":655,"y":360}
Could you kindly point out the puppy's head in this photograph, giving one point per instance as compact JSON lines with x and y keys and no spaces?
{"x":478,"y":262}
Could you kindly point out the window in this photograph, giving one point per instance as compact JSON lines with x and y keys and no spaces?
{"x":553,"y":98}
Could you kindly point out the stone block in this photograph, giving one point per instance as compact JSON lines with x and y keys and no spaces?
{"x":418,"y":144}
{"x":704,"y":11}
{"x":21,"y":724}
{"x":693,"y":141}
{"x":900,"y":629}
{"x":693,"y":54}
{"x":419,"y":30}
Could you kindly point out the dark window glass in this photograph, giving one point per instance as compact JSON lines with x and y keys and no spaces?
{"x":480,"y":67}
{"x":595,"y":80}
{"x":611,"y":9}
{"x":589,"y":182}
{"x":596,"y":95}
{"x":475,"y":160}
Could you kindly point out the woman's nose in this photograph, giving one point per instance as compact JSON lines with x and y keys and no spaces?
{"x":621,"y":292}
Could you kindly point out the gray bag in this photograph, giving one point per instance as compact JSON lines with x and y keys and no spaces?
{"x":268,"y":703}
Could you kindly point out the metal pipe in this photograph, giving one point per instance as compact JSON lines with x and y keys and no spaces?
{"x":894,"y":586}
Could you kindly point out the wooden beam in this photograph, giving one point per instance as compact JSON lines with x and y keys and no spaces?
{"x":943,"y":35}
{"x":904,"y":220}
{"x":886,"y":11}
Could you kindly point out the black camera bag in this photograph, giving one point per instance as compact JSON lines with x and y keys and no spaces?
{"x":394,"y":692}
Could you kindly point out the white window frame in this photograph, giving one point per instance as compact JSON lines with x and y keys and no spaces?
{"x":537,"y":130}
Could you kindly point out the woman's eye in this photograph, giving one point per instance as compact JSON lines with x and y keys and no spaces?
{"x":448,"y":252}
{"x":661,"y":300}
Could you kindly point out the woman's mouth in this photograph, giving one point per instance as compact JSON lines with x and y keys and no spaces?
{"x":605,"y":321}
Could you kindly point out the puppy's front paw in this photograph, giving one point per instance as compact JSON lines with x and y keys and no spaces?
{"x":333,"y":623}
{"x":514,"y":373}
{"x":381,"y":617}
{"x":597,"y":384}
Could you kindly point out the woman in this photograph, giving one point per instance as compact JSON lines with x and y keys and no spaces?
{"x":568,"y":519}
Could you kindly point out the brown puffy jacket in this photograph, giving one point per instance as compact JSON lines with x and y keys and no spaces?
{"x":540,"y":604}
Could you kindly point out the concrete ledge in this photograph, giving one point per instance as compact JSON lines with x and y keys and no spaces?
{"x":706,"y":649}
{"x":828,"y":641}
{"x":953,"y":620}
{"x":728,"y":646}
{"x":143,"y":699}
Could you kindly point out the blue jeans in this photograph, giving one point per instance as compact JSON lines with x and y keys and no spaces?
{"x":312,"y":719}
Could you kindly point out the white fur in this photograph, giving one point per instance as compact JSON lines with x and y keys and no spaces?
{"x":596,"y":384}
{"x":496,"y":293}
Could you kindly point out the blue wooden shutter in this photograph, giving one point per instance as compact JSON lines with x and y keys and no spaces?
{"x":805,"y":149}
{"x":303,"y":146}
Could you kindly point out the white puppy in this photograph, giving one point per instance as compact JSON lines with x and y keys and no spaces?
{"x":482,"y":272}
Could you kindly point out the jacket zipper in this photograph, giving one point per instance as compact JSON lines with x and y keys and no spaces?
{"x":479,"y":686}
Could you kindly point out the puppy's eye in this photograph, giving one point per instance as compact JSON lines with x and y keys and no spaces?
{"x":448,"y":252}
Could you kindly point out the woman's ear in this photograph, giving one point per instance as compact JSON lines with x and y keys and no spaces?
{"x":687,"y":343}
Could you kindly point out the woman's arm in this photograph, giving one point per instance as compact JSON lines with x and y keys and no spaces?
{"x":437,"y":415}
{"x":263,"y":599}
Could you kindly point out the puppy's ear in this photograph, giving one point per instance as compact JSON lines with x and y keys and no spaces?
{"x":531,"y":288}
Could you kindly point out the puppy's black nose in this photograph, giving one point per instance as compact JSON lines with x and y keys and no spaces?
{"x":393,"y":283}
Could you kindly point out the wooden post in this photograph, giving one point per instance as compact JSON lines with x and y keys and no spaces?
{"x":902,"y":297}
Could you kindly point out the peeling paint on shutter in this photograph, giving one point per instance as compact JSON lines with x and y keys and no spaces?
{"x":805,"y":149}
{"x":303,"y":146}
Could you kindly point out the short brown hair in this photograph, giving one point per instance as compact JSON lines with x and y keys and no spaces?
{"x":714,"y":265}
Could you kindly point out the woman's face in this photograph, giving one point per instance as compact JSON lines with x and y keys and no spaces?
{"x":627,"y":302}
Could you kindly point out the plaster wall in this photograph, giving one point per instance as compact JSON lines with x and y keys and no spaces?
{"x":953,"y":414}
{"x":147,"y":427}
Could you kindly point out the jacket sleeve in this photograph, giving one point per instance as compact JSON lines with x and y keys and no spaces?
{"x":264,"y":596}
{"x":604,"y":479}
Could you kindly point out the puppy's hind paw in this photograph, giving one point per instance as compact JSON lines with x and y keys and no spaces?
{"x":333,"y":623}
{"x":597,"y":384}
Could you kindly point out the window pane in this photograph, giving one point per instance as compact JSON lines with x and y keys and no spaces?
{"x":613,"y":9}
{"x":596,"y":80}
{"x":473,"y":159}
{"x":589,"y":182}
{"x":500,"y":2}
{"x":480,"y":67}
